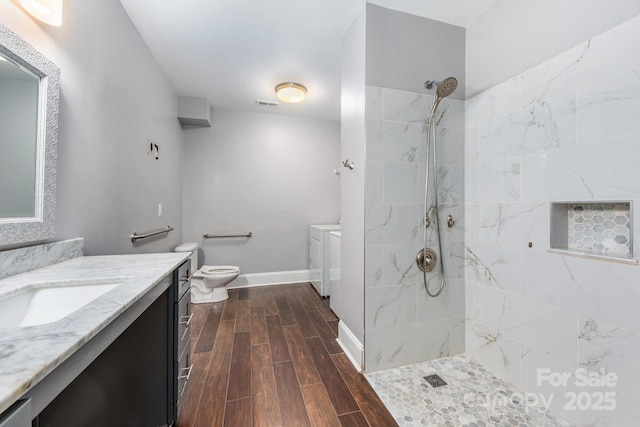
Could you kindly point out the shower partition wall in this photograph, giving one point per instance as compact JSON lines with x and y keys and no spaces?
{"x":402,"y":323}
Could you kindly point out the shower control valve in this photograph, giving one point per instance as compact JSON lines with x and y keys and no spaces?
{"x":426,"y":259}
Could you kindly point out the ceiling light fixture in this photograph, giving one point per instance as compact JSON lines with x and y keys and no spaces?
{"x":291,"y":92}
{"x":47,"y":11}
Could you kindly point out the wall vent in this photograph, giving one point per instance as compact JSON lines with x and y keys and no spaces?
{"x":262,"y":103}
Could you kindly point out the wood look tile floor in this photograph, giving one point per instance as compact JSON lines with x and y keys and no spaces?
{"x":268,"y":357}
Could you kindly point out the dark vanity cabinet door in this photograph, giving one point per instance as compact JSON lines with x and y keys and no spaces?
{"x":127,"y":384}
{"x":141,"y":377}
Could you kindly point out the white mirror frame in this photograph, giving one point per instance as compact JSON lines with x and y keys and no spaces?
{"x":42,"y":225}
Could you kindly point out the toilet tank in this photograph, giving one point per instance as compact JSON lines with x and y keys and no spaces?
{"x":193,"y":248}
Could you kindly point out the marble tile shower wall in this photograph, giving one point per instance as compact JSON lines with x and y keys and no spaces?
{"x":402,"y":324}
{"x":566,"y":130}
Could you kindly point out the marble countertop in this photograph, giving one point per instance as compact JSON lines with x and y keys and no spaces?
{"x":28,"y":354}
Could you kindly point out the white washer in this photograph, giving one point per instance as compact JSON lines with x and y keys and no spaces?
{"x":319,"y":256}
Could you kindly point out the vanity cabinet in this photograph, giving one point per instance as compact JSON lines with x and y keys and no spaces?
{"x":139,"y":378}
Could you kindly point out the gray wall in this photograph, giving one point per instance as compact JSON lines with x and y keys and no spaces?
{"x":403,"y":51}
{"x":113,"y":99}
{"x":265,"y":173}
{"x":515,"y":35}
{"x":18,"y":111}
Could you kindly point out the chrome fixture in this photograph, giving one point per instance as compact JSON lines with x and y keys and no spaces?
{"x":348,"y":164}
{"x":426,"y":262}
{"x":450,"y":221}
{"x":218,"y":236}
{"x":429,"y":84}
{"x":445,"y":88}
{"x":135,"y":236}
{"x":426,"y":258}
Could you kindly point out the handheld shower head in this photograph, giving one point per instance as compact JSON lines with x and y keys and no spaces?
{"x":444,"y":88}
{"x":447,"y":87}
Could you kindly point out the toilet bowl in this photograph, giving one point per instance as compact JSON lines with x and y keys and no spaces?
{"x":208,"y":284}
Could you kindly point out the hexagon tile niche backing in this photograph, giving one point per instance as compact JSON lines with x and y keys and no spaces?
{"x":600,"y":228}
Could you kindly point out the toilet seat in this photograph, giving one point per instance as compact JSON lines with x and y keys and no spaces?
{"x":219,"y":269}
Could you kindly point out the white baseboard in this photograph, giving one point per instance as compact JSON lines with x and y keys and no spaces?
{"x":270,"y":278}
{"x":351,"y":346}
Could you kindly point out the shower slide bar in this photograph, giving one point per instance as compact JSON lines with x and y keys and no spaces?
{"x":135,"y":236}
{"x":217,"y":236}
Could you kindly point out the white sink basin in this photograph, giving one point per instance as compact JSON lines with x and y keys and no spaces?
{"x":46,"y":302}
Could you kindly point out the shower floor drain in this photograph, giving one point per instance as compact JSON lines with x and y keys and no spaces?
{"x":435,"y":380}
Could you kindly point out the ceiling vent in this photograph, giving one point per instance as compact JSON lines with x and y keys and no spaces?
{"x":270,"y":104}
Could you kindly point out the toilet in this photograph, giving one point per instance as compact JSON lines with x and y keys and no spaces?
{"x":208,"y":284}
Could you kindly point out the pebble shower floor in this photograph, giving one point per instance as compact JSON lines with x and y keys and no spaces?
{"x":462,"y":402}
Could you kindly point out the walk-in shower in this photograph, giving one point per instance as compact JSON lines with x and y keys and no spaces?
{"x":427,"y":258}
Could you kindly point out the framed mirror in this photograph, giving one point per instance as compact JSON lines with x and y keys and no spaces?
{"x":29,"y":102}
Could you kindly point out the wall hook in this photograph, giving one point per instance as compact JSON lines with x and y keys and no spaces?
{"x":157,"y":151}
{"x":450,"y":221}
{"x":348,"y":164}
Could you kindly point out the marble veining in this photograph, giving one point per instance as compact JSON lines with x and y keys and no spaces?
{"x":612,"y":349}
{"x":397,"y":308}
{"x":554,"y":76}
{"x":609,"y":108}
{"x":392,"y":141}
{"x":18,"y":261}
{"x":543,"y":126}
{"x":28,"y":354}
{"x":512,"y":224}
{"x":493,"y":266}
{"x":563,"y":132}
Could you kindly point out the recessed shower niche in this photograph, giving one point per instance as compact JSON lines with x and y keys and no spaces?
{"x":593,"y":228}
